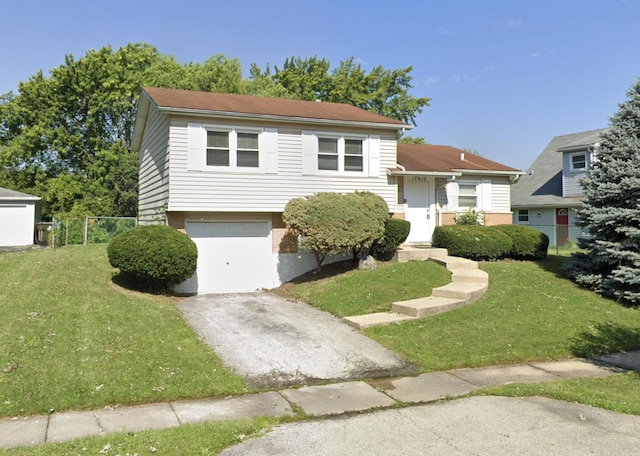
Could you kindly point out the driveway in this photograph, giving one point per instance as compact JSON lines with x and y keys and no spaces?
{"x":274,"y":342}
{"x":492,"y":426}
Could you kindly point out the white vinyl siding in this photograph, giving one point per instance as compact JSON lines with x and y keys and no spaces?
{"x":571,"y":176}
{"x":153,"y":180}
{"x":286,"y":177}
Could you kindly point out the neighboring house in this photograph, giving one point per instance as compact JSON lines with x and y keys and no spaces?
{"x":549,"y":195}
{"x":222,"y":168}
{"x":17,"y":218}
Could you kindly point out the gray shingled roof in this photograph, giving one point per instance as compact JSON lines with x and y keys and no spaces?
{"x":6,"y":194}
{"x":542,"y":185}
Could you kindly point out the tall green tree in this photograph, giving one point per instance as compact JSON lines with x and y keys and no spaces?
{"x":382,"y":91}
{"x":611,"y":216}
{"x":65,"y":137}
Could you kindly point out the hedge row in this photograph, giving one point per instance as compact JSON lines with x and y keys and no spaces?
{"x":492,"y":242}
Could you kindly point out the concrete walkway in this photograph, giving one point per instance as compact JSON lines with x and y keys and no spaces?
{"x":321,"y":400}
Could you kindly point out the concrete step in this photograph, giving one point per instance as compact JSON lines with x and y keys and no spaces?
{"x":450,"y":262}
{"x":424,"y":307}
{"x":408,"y":253}
{"x":469,"y":276}
{"x":375,"y":319}
{"x":469,"y":292}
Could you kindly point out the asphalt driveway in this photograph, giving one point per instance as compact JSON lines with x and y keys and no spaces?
{"x":272,"y":341}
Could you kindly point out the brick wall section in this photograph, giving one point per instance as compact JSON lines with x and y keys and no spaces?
{"x":283,"y":240}
{"x":498,"y":218}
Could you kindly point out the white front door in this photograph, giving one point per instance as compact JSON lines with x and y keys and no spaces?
{"x":419,"y":207}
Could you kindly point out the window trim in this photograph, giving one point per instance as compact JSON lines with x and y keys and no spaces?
{"x":342,"y":155}
{"x":578,"y":154}
{"x":476,"y":194}
{"x":520,"y":213}
{"x":234,"y":149}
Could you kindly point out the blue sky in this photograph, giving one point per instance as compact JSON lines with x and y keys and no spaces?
{"x":504,"y":76}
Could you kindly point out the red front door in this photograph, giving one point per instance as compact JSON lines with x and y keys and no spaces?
{"x":562,"y":225}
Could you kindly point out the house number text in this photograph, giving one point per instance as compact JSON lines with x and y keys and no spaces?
{"x":418,"y":178}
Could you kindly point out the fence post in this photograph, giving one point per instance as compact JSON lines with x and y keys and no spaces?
{"x":86,"y":231}
{"x":66,"y":234}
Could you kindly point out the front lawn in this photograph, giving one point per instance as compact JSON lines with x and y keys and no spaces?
{"x":531,"y":312}
{"x":358,"y":292}
{"x":71,"y":339}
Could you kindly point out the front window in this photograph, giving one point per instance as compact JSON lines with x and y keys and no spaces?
{"x":467,"y":196}
{"x":247,"y":152}
{"x":340,"y":154}
{"x":523,"y":215}
{"x":578,"y":162}
{"x":328,"y":154}
{"x":353,"y":155}
{"x":232,"y":149}
{"x":217,"y":148}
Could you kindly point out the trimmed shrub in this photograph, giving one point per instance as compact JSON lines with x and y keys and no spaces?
{"x":528,"y":243}
{"x":473,"y":242}
{"x":395,"y":233}
{"x":154,"y":257}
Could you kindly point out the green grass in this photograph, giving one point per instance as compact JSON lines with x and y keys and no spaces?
{"x":71,"y":339}
{"x":618,"y":393}
{"x":359,"y":292}
{"x":530,"y":312}
{"x":200,"y":439}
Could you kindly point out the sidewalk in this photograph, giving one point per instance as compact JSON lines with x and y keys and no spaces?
{"x":331,"y":399}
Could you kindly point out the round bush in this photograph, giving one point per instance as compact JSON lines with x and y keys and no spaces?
{"x":528,"y":243}
{"x":155,"y":256}
{"x":473,"y":242}
{"x":395,"y":233}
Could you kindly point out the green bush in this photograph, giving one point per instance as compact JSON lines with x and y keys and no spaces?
{"x":528,"y":243}
{"x":395,"y":233}
{"x":154,"y":257}
{"x":469,"y":217}
{"x":473,"y":242}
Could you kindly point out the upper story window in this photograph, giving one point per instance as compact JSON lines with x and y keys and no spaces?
{"x":232,"y":149}
{"x":340,"y":154}
{"x":467,"y":195}
{"x":578,"y":161}
{"x":328,"y":154}
{"x":353,"y":156}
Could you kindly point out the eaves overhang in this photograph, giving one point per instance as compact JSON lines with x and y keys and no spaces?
{"x":296,"y":119}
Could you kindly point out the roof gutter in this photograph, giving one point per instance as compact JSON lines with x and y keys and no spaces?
{"x":392,"y":172}
{"x":306,"y":120}
{"x":489,"y":172}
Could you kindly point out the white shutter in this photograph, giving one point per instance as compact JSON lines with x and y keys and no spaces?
{"x":485,"y":195}
{"x":309,"y":152}
{"x":452,"y":195}
{"x":197,"y":147}
{"x":268,"y":146}
{"x":374,"y":156}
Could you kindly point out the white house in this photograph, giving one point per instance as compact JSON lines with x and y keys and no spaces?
{"x":17,"y":218}
{"x":549,"y":195}
{"x":222,"y":167}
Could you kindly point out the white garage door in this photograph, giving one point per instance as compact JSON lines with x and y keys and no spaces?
{"x":16,"y":224}
{"x":232,"y":256}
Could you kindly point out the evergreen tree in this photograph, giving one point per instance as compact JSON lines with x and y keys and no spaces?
{"x":611,"y":216}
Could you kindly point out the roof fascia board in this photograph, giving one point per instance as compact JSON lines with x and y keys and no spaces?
{"x":489,"y":172}
{"x":424,"y":173}
{"x":240,"y":115}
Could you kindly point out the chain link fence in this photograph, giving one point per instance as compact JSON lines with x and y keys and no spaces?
{"x":87,"y":230}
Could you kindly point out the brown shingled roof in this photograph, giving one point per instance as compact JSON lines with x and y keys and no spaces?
{"x":427,"y":157}
{"x":263,"y":106}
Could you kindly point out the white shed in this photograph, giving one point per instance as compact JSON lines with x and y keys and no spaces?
{"x":17,"y":218}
